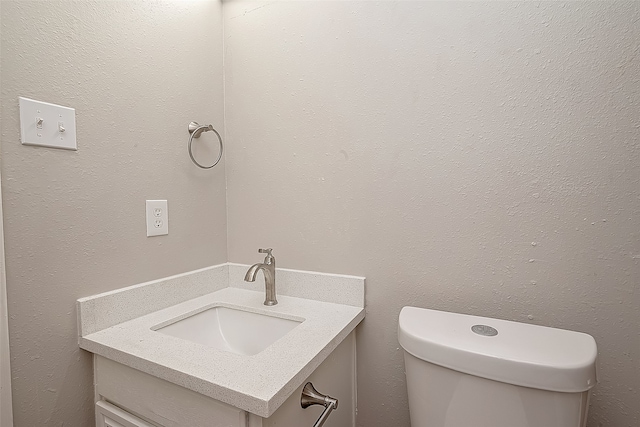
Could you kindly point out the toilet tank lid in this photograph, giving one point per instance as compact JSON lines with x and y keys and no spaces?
{"x":519,"y":354}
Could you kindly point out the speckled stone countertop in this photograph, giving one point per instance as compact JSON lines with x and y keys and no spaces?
{"x":258,"y":384}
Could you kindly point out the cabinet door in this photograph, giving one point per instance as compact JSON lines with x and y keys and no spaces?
{"x":335,"y":377}
{"x":108,"y":415}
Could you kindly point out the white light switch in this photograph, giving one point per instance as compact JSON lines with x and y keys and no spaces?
{"x":49,"y":125}
{"x":157,"y":218}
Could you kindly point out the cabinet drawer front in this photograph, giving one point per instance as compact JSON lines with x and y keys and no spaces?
{"x":159,"y":401}
{"x":109,"y":415}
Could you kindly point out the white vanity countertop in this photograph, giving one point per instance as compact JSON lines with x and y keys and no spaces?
{"x":259,"y":383}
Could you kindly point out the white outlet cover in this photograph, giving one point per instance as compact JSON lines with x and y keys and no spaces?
{"x":157,"y":218}
{"x":48,"y":125}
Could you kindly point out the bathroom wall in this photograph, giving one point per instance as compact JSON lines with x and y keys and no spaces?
{"x":478,"y":157}
{"x":137,"y":73}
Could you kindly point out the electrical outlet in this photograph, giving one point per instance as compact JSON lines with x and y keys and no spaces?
{"x":157,"y":218}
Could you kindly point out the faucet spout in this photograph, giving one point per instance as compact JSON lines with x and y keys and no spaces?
{"x":252,"y":272}
{"x":268,"y":268}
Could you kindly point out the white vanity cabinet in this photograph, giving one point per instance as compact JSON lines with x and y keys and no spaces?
{"x":126,"y":397}
{"x":145,"y":376}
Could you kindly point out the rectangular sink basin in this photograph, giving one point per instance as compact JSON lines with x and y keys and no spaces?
{"x":229,"y":329}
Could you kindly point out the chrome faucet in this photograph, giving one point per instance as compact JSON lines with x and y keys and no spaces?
{"x":268,"y":268}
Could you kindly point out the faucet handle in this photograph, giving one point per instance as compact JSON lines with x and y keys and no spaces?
{"x":269,"y":258}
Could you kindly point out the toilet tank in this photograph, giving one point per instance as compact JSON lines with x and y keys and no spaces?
{"x":469,"y":371}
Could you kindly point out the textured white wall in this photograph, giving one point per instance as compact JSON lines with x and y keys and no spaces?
{"x":137,"y":73}
{"x":477,"y":157}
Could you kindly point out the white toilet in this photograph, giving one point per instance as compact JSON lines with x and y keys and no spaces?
{"x":468,"y":371}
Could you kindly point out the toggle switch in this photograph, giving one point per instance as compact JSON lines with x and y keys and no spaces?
{"x":48,"y":125}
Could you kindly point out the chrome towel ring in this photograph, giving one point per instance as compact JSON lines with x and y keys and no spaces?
{"x":196,"y":130}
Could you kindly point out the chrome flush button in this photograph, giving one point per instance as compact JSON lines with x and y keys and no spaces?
{"x":485,"y":330}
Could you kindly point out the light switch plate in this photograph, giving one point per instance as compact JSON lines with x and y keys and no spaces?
{"x":48,"y":125}
{"x":157,"y":218}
